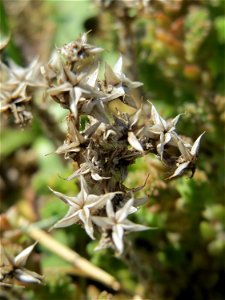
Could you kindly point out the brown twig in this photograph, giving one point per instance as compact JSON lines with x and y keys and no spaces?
{"x":83,"y":266}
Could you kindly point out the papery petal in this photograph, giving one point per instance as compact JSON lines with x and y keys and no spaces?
{"x":55,"y":61}
{"x":71,"y":147}
{"x":93,"y":77}
{"x":84,"y":215}
{"x":83,"y":38}
{"x":124,"y":211}
{"x":68,"y":220}
{"x":84,"y":189}
{"x":22,"y":257}
{"x":160,"y":146}
{"x":174,"y":139}
{"x":130,"y":226}
{"x":135,"y":117}
{"x":84,"y":169}
{"x":184,"y":151}
{"x":109,"y":209}
{"x":175,"y":120}
{"x":103,"y":222}
{"x":116,"y":93}
{"x":180,"y":170}
{"x":156,"y":129}
{"x":132,"y":210}
{"x":92,"y":200}
{"x":72,"y":201}
{"x":134,"y":84}
{"x":110,"y":76}
{"x":157,"y":119}
{"x":75,"y":95}
{"x":99,"y":201}
{"x":133,"y":141}
{"x":59,"y":89}
{"x":118,"y":66}
{"x":117,"y":237}
{"x":97,"y":177}
{"x":195,"y":147}
{"x":27,"y":276}
{"x":167,"y":138}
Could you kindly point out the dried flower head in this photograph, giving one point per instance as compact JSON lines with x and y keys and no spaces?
{"x":188,"y":157}
{"x":116,"y":224}
{"x":81,"y":207}
{"x":17,"y":84}
{"x":13,"y":268}
{"x":104,"y":143}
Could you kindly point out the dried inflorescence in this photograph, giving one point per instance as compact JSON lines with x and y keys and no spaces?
{"x":104,"y":143}
{"x":17,"y":86}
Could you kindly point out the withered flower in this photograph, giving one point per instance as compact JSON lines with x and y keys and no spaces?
{"x":13,"y":268}
{"x":81,"y":207}
{"x":126,"y":126}
{"x":103,"y":143}
{"x":188,"y":157}
{"x":16,"y":84}
{"x":117,"y":224}
{"x":85,"y":168}
{"x":164,"y":129}
{"x":79,"y":50}
{"x":118,"y":84}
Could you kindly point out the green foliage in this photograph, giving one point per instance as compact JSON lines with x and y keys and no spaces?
{"x":220,"y":28}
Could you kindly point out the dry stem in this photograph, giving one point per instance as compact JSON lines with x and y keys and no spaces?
{"x":83,"y":266}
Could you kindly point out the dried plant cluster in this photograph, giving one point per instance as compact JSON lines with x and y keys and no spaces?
{"x":102,"y":142}
{"x":17,"y":87}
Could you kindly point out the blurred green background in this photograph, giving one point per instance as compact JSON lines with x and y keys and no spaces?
{"x":176,"y":48}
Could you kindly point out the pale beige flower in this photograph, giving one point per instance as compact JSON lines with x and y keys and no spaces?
{"x":118,"y":84}
{"x":188,"y":157}
{"x":15,"y":81}
{"x":82,"y":207}
{"x":164,"y":129}
{"x":117,"y":223}
{"x":14,"y":267}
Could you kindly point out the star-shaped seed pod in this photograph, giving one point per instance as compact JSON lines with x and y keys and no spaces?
{"x":118,"y":224}
{"x":164,"y":129}
{"x":13,"y":268}
{"x":126,"y":125}
{"x":88,"y":167}
{"x":81,"y":207}
{"x":15,"y":82}
{"x":79,"y":50}
{"x":118,"y":84}
{"x":76,"y":90}
{"x":188,"y":157}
